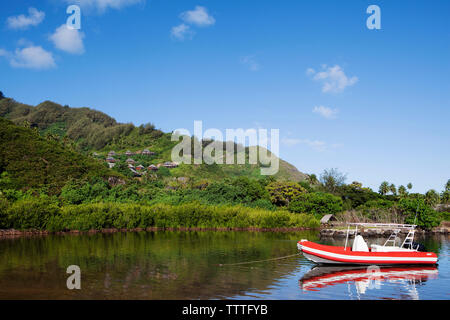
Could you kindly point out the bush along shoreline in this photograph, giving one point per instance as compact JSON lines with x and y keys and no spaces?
{"x":43,"y":215}
{"x":238,"y":203}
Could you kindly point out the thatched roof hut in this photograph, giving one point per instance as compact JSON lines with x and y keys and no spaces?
{"x":327,"y":219}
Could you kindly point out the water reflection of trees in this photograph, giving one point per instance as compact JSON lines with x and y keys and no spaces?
{"x":145,"y":265}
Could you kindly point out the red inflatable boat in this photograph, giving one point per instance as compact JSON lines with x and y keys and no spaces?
{"x":361,"y":254}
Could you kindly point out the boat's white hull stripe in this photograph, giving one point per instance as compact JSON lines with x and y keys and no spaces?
{"x":367,"y":258}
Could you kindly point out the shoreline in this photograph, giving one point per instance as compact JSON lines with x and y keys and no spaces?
{"x":323,"y":232}
{"x":373,"y":232}
{"x":13,"y":233}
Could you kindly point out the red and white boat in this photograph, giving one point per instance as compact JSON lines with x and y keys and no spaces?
{"x":361,"y":254}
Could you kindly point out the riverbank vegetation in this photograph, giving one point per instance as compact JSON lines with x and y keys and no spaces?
{"x":52,"y":177}
{"x":230,"y":203}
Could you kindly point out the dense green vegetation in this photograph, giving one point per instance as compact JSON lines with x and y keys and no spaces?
{"x":29,"y":161}
{"x":87,"y":130}
{"x":51,"y":179}
{"x":43,"y":214}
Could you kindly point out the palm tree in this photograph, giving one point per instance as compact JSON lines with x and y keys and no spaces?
{"x":432,"y":198}
{"x":402,"y":191}
{"x":384,"y":188}
{"x":409,"y":186}
{"x":312,"y":179}
{"x":393,"y":189}
{"x":445,"y":197}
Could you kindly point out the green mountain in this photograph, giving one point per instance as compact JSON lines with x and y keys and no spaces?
{"x":93,"y":131}
{"x":28,"y":161}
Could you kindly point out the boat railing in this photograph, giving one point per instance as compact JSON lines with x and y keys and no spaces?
{"x":396,"y":227}
{"x":384,"y":225}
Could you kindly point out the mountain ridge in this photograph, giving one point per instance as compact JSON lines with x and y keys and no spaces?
{"x":95,"y":131}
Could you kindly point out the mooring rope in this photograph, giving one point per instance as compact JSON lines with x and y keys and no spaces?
{"x":256,"y":261}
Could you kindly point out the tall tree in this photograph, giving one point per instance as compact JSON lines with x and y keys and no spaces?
{"x":393,"y":189}
{"x":409,"y":186}
{"x":356,"y":185}
{"x":331,"y":179}
{"x":312,"y":179}
{"x":384,"y":188}
{"x":432,"y":198}
{"x":1,"y":96}
{"x":445,"y":195}
{"x":402,"y":191}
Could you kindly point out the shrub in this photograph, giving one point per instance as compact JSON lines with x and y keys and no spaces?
{"x":426,"y":216}
{"x":317,"y":203}
{"x":4,"y":205}
{"x":107,"y":215}
{"x":282,"y":193}
{"x":32,"y":213}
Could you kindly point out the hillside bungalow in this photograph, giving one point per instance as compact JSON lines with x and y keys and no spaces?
{"x":170,"y":165}
{"x":140,"y":167}
{"x":135,"y":173}
{"x":111,"y":160}
{"x":328,"y":219}
{"x":129,"y":160}
{"x":152,"y":167}
{"x":112,"y":154}
{"x":129,"y":153}
{"x":147,"y":152}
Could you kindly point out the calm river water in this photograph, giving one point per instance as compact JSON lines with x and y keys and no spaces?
{"x":203,"y":265}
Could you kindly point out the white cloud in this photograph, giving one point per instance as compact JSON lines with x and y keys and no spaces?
{"x":310,"y":71}
{"x":22,"y":42}
{"x":290,"y":141}
{"x":22,"y":21}
{"x":315,"y":144}
{"x":181,"y":31}
{"x":199,"y":17}
{"x":102,"y":5}
{"x":333,"y":78}
{"x":67,"y":39}
{"x":326,"y":112}
{"x":250,"y":62}
{"x":32,"y":57}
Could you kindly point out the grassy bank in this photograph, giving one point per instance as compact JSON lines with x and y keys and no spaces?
{"x":44,"y":215}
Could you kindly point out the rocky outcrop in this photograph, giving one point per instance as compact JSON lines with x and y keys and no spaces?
{"x":377,"y":232}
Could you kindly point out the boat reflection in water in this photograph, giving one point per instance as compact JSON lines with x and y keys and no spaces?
{"x":368,"y":277}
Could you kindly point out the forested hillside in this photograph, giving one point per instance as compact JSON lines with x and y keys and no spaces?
{"x":88,"y":130}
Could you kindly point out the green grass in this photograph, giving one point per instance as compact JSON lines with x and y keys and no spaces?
{"x":43,"y":214}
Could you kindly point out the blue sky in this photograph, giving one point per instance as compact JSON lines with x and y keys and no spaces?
{"x":373,"y":103}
